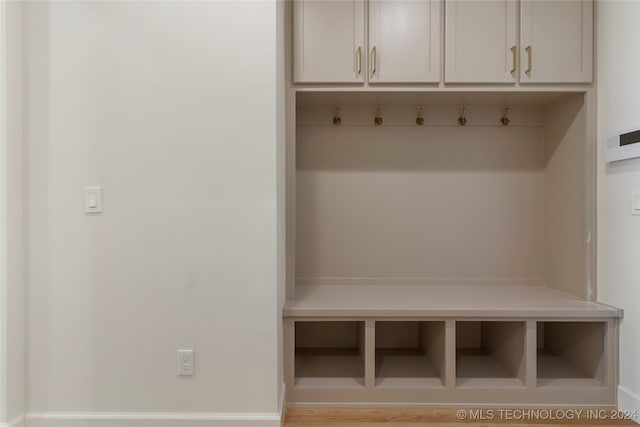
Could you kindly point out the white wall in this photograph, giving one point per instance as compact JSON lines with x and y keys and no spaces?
{"x":171,"y":108}
{"x":281,"y":174}
{"x":12,"y":262}
{"x":618,"y":230}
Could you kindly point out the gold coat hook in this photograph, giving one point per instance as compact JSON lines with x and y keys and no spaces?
{"x":337,"y":121}
{"x":420,"y":119}
{"x":462,"y":120}
{"x":505,"y":120}
{"x":378,"y":119}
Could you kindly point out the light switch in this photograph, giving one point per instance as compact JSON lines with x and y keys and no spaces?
{"x":93,"y":199}
{"x":635,"y":203}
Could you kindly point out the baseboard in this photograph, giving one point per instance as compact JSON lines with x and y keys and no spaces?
{"x":629,"y":402}
{"x":152,"y":419}
{"x":14,"y":422}
{"x":156,"y":419}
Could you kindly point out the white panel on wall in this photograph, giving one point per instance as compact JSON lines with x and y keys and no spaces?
{"x":12,"y":403}
{"x":618,"y":229}
{"x":150,"y":100}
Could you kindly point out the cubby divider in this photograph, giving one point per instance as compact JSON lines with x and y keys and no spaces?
{"x":409,"y":354}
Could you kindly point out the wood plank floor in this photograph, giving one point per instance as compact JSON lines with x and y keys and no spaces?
{"x":321,"y":417}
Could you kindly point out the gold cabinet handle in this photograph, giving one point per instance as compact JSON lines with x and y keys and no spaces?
{"x":513,"y":52}
{"x":374,"y":60}
{"x":528,"y":50}
{"x":359,"y":56}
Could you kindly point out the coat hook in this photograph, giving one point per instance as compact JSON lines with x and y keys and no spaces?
{"x":420,"y":119}
{"x":337,"y":121}
{"x":378,"y":119}
{"x":462,"y":120}
{"x":505,"y":120}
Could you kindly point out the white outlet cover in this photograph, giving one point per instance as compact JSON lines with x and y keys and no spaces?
{"x":635,"y":203}
{"x":185,"y":366}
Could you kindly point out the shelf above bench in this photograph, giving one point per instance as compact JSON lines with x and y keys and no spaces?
{"x":441,"y":301}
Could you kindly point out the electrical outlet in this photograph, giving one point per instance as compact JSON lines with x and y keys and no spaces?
{"x":635,"y":203}
{"x":185,"y":362}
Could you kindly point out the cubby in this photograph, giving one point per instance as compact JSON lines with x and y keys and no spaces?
{"x":409,"y":354}
{"x":329,"y":354}
{"x":490,"y":354}
{"x":570,"y":354}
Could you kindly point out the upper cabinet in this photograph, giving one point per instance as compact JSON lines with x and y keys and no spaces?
{"x":481,"y":41}
{"x":401,"y":43}
{"x":328,"y":41}
{"x":404,"y":41}
{"x":557,"y":41}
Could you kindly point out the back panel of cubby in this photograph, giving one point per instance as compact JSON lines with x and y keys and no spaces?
{"x":397,"y":334}
{"x":581,"y":343}
{"x":419,"y":202}
{"x":328,"y":334}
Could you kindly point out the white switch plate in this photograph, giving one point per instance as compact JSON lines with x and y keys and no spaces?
{"x":185,"y":362}
{"x":93,"y":199}
{"x":635,"y":203}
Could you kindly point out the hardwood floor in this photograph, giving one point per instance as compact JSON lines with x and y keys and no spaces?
{"x":327,"y":417}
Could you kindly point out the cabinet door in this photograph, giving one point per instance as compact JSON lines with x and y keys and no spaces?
{"x":557,"y":41}
{"x":480,"y":38}
{"x":404,"y":41}
{"x":328,"y":41}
